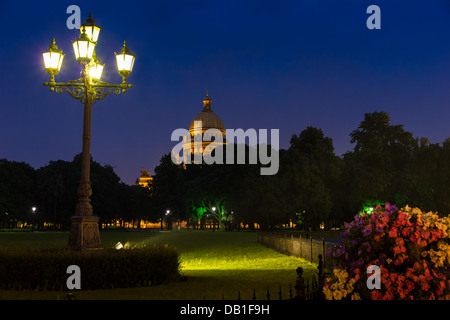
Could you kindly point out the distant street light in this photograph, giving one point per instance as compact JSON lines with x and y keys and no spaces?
{"x":167,"y":214}
{"x":33,"y":209}
{"x":214,"y":210}
{"x":84,"y":233}
{"x":162,"y":218}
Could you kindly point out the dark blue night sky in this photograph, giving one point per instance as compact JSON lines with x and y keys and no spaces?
{"x":266,"y":64}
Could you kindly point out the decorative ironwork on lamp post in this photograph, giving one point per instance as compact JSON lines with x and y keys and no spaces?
{"x":84,"y":233}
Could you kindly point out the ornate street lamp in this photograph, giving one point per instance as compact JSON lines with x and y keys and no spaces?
{"x":83,"y":48}
{"x":125,"y":61}
{"x":53,"y":59}
{"x":96,"y":70}
{"x":84,"y":233}
{"x":91,"y":29}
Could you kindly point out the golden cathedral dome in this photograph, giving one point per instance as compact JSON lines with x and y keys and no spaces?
{"x":208,"y":118}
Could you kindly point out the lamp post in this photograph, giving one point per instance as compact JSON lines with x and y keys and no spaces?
{"x":213,"y":223}
{"x":84,"y":233}
{"x":162,"y":220}
{"x":33,"y":209}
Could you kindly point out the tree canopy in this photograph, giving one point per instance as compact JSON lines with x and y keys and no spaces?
{"x":313,"y":184}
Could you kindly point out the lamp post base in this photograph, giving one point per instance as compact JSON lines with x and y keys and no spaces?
{"x":84,"y":234}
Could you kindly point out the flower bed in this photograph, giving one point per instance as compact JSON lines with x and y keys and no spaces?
{"x":411,"y":249}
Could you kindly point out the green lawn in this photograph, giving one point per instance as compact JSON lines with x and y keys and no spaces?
{"x":215,"y":265}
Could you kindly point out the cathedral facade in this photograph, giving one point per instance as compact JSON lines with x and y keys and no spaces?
{"x":145,"y":180}
{"x":199,"y":137}
{"x":198,"y":128}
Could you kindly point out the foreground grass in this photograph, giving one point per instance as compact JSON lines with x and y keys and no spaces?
{"x":214,"y":265}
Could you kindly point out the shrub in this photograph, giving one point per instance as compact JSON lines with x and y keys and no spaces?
{"x":102,"y":269}
{"x":411,"y":248}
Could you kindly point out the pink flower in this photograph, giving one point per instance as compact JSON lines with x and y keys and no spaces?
{"x":424,"y":285}
{"x":400,"y":260}
{"x":376,"y":295}
{"x":405,"y":232}
{"x":410,"y":286}
{"x":360,"y":262}
{"x":421,"y":243}
{"x":380,"y":227}
{"x":367,"y":230}
{"x":393,"y":232}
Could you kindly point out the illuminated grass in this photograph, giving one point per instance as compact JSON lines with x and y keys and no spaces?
{"x":214,"y":265}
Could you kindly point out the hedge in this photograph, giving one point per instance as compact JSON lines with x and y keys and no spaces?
{"x":102,"y":269}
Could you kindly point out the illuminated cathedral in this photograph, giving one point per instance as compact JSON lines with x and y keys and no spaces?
{"x":209,"y":120}
{"x":145,"y":180}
